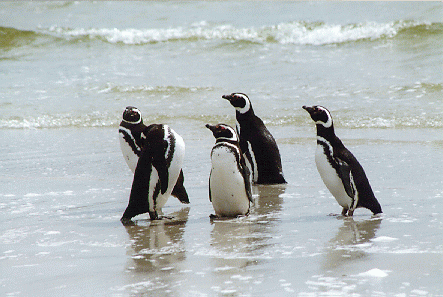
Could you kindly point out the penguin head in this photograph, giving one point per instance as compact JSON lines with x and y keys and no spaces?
{"x":240,"y":101}
{"x":320,"y":115}
{"x":132,"y":115}
{"x":223,"y":132}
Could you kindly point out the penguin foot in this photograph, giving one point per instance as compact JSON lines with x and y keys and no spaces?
{"x":153,"y":215}
{"x":127,"y":222}
{"x":347,"y":212}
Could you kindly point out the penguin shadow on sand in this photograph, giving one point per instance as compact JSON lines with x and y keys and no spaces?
{"x":157,"y":244}
{"x":345,"y":246}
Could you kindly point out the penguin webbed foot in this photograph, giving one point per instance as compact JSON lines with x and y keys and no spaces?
{"x":127,"y":222}
{"x":166,"y":218}
{"x":347,"y":212}
{"x":155,"y":217}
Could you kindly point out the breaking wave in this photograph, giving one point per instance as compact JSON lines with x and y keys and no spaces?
{"x":297,"y":33}
{"x":300,"y":33}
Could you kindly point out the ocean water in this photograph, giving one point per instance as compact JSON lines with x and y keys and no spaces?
{"x":68,"y":70}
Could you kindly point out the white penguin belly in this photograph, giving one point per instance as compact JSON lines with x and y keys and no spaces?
{"x":227,"y":185}
{"x":331,"y":179}
{"x":177,"y":160}
{"x":174,"y":167}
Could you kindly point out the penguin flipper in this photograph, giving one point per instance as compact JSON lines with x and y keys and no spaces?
{"x":159,"y":163}
{"x":210,"y":196}
{"x":246,"y":177}
{"x":344,"y":171}
{"x":179,"y":190}
{"x":138,"y":199}
{"x":155,"y":146}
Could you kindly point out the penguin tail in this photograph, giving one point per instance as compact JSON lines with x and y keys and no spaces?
{"x":179,"y":190}
{"x":372,"y":204}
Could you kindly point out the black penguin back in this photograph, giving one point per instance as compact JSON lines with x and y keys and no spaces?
{"x":264,"y":146}
{"x":366,"y":195}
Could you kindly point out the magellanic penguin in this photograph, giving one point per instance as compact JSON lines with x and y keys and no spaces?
{"x":256,"y":142}
{"x":132,"y":141}
{"x":158,"y":152}
{"x":229,"y":182}
{"x":339,"y":169}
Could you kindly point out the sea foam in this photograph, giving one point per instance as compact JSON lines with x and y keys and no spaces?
{"x":297,"y":32}
{"x":374,"y":273}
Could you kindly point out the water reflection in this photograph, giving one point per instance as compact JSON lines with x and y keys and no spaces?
{"x":269,"y":200}
{"x":158,"y":245}
{"x":350,"y":242}
{"x":233,"y":243}
{"x":241,"y":242}
{"x":238,"y":244}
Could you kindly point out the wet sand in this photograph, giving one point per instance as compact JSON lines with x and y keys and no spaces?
{"x":61,"y":234}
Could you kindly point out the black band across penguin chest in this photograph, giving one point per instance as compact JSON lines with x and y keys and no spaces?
{"x":133,"y":136}
{"x":328,"y":151}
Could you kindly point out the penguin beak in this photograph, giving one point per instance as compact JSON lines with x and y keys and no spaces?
{"x":210,"y":127}
{"x":308,"y":109}
{"x":227,"y":97}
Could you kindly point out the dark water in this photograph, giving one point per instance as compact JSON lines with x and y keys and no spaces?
{"x":67,"y":71}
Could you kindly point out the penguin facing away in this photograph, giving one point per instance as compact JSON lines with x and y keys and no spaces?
{"x":132,"y":135}
{"x":158,"y":173}
{"x":339,"y":169}
{"x":229,"y":182}
{"x":256,"y":142}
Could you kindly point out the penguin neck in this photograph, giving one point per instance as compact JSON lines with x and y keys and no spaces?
{"x":248,"y":114}
{"x":326,"y":133}
{"x":226,"y":140}
{"x":133,"y":127}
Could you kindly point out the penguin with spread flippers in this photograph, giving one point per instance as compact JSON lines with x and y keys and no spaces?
{"x":339,"y":169}
{"x":132,"y":135}
{"x":158,"y":173}
{"x":229,"y":182}
{"x":256,"y":142}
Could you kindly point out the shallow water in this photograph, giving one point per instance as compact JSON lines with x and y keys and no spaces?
{"x":69,"y":69}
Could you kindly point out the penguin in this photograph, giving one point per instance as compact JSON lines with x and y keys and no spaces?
{"x":256,"y":142}
{"x":229,"y":182}
{"x":158,"y":173}
{"x":132,"y":135}
{"x":339,"y":169}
